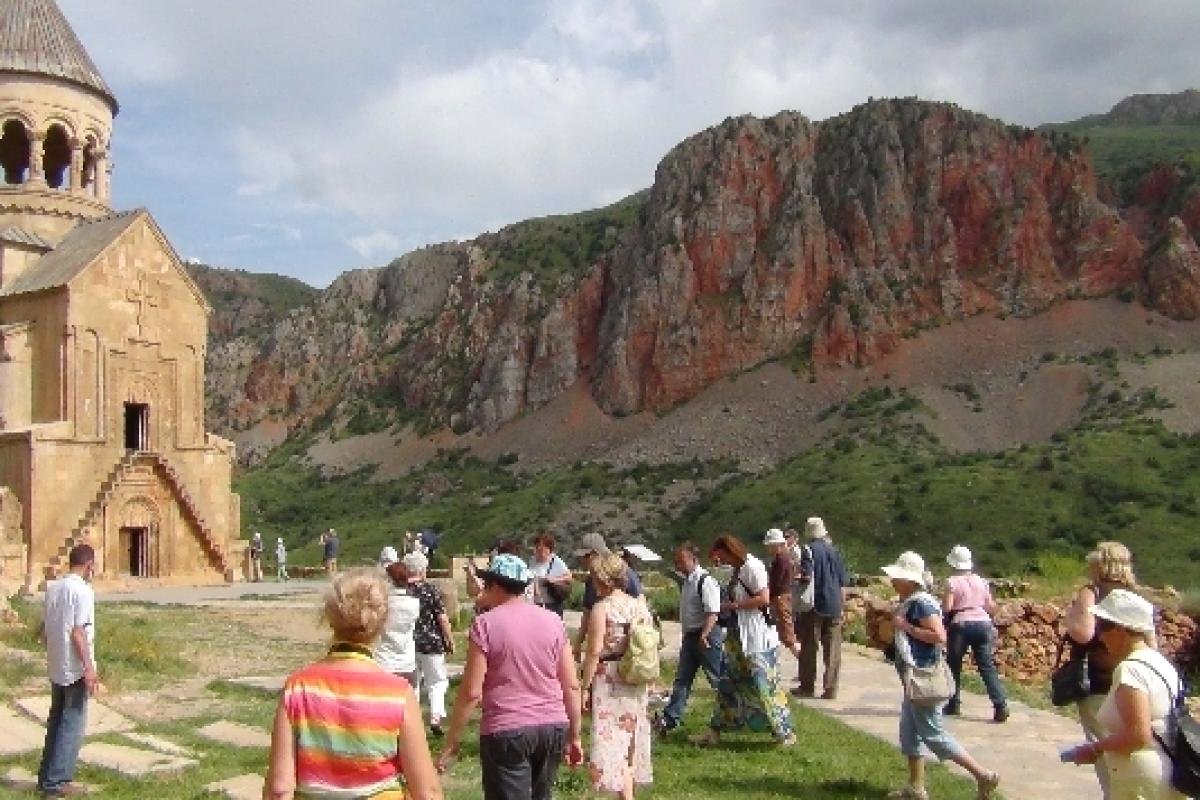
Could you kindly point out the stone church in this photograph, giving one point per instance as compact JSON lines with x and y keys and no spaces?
{"x":102,"y":341}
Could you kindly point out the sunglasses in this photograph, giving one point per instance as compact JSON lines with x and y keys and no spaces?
{"x":1104,"y":625}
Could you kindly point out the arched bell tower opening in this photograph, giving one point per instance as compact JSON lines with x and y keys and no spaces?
{"x":56,"y":157}
{"x":14,"y":152}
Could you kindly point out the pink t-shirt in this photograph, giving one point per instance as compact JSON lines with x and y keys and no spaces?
{"x":523,"y":645}
{"x":971,"y":596}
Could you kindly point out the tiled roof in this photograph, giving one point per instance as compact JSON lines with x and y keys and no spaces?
{"x":15,"y":235}
{"x":73,"y":254}
{"x":36,"y":38}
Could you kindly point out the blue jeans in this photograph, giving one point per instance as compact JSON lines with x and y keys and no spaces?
{"x":922,"y":725}
{"x":693,"y":657}
{"x":65,"y":728}
{"x":978,"y":636}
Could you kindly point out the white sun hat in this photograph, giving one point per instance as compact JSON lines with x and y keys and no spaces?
{"x":1126,"y":609}
{"x":388,"y":556}
{"x":960,"y":557}
{"x":908,"y":567}
{"x":815,"y":528}
{"x":774,"y":536}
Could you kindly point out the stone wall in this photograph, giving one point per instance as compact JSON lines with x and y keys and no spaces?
{"x":1029,"y":633}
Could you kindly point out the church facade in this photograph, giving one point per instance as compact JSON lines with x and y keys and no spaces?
{"x":102,"y":342}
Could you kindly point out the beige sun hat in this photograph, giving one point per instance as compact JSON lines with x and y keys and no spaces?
{"x":815,"y":528}
{"x":774,"y":536}
{"x":960,"y":557}
{"x":1126,"y":609}
{"x":908,"y":567}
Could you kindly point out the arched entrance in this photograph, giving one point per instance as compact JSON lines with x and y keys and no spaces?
{"x":138,"y":538}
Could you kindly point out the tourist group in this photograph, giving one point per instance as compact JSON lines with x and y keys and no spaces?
{"x":350,"y":724}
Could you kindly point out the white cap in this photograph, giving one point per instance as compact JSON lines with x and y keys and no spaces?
{"x":815,"y":528}
{"x":908,"y":567}
{"x":1126,"y":609}
{"x":388,"y":556}
{"x":774,"y":536}
{"x":960,"y":557}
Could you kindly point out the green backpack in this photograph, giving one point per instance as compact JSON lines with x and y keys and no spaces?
{"x":640,"y":663}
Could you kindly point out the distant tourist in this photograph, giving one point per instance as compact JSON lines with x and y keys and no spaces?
{"x":281,"y":573}
{"x":1110,"y":567}
{"x":520,"y":669}
{"x":919,"y":639}
{"x":619,"y":758}
{"x":474,"y":582}
{"x":345,"y":727}
{"x":433,"y":637}
{"x":592,"y":548}
{"x":821,"y":622}
{"x":69,"y":633}
{"x":1144,"y":687}
{"x":968,"y":607}
{"x":780,"y":575}
{"x":551,"y":576}
{"x":748,"y":693}
{"x":702,"y":647}
{"x":330,"y":546}
{"x":256,"y":553}
{"x":396,"y":648}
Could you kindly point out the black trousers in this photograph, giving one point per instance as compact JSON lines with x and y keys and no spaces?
{"x":521,"y":764}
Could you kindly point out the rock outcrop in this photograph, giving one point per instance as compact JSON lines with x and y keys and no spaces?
{"x":760,"y":238}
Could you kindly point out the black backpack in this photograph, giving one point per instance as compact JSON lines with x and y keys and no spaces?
{"x":1181,"y":741}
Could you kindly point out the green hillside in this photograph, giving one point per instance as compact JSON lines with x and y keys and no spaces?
{"x":883,"y":485}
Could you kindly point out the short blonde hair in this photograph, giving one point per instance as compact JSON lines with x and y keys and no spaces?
{"x":356,"y":606}
{"x":1113,"y":563}
{"x":610,"y":571}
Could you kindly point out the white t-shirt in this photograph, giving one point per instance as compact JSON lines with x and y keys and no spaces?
{"x":756,"y":635}
{"x":70,"y":603}
{"x":396,"y":650}
{"x":553,"y":568}
{"x":1136,"y":672}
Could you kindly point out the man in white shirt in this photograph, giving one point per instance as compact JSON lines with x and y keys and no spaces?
{"x":69,"y":633}
{"x":701,"y":648}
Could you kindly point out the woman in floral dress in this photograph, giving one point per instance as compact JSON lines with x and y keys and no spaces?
{"x":620,"y":752}
{"x":748,"y":694}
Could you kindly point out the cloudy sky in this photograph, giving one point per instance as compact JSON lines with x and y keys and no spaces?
{"x":310,"y":137}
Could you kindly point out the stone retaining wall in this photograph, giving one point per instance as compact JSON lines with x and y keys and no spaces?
{"x":1029,"y":633}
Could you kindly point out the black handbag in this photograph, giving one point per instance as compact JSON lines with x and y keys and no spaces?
{"x":1069,"y":682}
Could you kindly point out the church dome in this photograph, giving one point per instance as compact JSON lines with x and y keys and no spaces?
{"x":35,"y":39}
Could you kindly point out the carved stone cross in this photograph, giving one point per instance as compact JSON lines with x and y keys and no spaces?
{"x":146,"y":297}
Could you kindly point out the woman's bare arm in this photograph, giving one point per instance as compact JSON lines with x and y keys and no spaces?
{"x":420,"y":777}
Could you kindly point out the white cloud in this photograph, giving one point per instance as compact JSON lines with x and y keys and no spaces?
{"x":371,"y":246}
{"x":422,"y":121}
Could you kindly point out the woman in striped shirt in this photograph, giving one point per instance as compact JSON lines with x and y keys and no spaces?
{"x":345,"y":728}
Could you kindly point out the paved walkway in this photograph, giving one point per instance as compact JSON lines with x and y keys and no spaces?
{"x":1023,"y":750}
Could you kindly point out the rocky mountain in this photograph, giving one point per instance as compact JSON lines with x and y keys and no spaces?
{"x":1178,"y":108}
{"x":823,"y":243}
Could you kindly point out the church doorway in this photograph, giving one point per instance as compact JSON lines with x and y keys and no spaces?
{"x":137,"y":426}
{"x":135,"y":552}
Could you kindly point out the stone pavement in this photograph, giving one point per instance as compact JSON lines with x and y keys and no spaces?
{"x":1023,"y":750}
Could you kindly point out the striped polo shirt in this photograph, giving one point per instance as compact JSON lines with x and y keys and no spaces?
{"x":347,"y":726}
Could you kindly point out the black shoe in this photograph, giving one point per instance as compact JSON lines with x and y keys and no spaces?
{"x":661,"y":726}
{"x":951,"y":710}
{"x":1001,"y":714}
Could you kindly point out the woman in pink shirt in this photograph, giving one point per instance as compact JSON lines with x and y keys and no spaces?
{"x":520,"y":669}
{"x":968,"y":607}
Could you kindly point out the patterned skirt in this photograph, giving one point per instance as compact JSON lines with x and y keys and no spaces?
{"x":748,"y":694}
{"x":620,"y":732}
